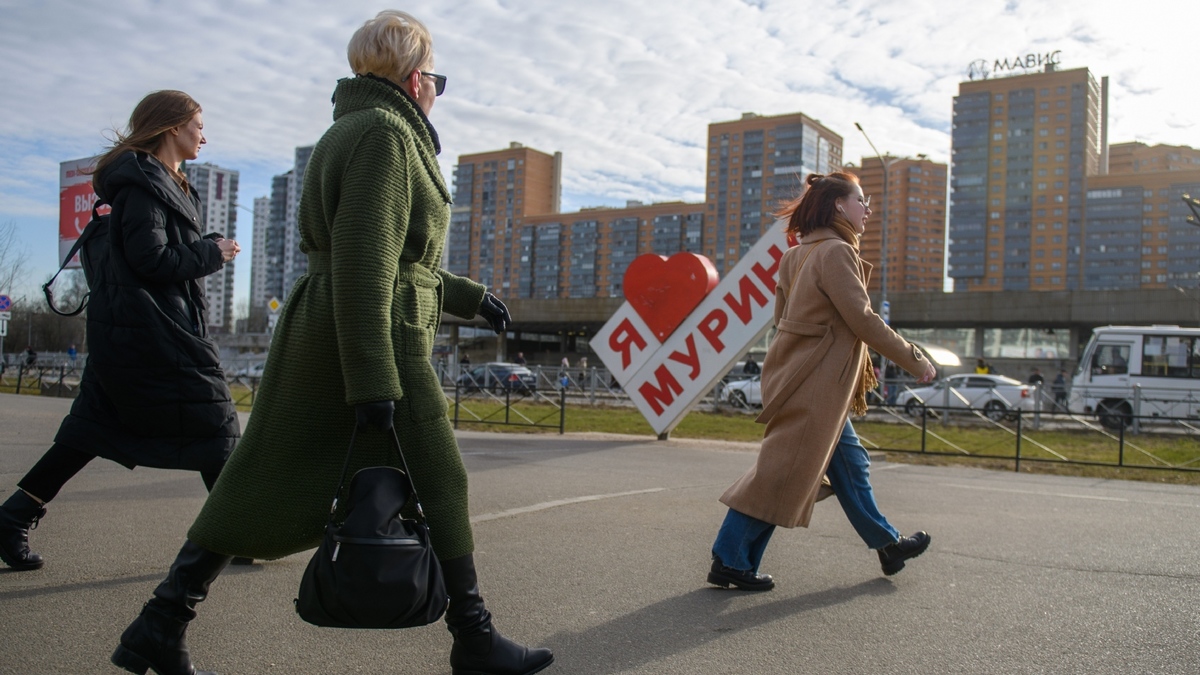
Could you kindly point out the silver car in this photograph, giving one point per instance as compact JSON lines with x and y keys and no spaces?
{"x":996,"y":395}
{"x":743,"y":393}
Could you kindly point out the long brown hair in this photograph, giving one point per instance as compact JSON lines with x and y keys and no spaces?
{"x":816,"y":207}
{"x":154,"y":115}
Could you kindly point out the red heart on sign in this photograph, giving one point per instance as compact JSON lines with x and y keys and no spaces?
{"x":663,"y":291}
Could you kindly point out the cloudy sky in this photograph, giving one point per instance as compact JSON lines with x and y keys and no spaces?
{"x":624,"y":88}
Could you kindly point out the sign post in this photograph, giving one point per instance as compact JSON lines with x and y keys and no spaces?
{"x":274,"y":306}
{"x":5,"y":315}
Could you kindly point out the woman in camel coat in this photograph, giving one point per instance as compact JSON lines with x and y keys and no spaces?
{"x":816,"y":371}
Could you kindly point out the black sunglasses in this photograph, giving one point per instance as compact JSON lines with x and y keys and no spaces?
{"x":439,"y":82}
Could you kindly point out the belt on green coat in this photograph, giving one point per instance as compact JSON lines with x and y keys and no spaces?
{"x":319,"y":262}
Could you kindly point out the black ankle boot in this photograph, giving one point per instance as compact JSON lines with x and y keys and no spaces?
{"x":892,"y":556}
{"x":156,"y":640}
{"x":747,"y":580}
{"x":18,"y":516}
{"x":479,"y":649}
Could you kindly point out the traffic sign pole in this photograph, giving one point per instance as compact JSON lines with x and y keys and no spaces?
{"x":6,"y":304}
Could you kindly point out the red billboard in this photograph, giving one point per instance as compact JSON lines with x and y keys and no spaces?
{"x":75,"y":201}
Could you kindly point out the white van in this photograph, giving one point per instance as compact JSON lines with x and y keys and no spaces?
{"x":1148,"y":371}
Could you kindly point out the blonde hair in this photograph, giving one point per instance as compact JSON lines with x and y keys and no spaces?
{"x":152,"y":118}
{"x":392,"y":45}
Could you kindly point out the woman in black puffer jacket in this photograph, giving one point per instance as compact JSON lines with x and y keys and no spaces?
{"x":153,"y":392}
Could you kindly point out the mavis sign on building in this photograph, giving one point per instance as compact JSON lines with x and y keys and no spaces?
{"x":982,"y":69}
{"x":680,"y":330}
{"x":75,"y":201}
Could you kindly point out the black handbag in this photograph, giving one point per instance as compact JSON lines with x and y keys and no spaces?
{"x":375,"y":569}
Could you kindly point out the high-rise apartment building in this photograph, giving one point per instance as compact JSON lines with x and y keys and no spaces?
{"x":277,"y":261}
{"x":259,"y":266}
{"x":506,"y":230}
{"x":1136,"y":233}
{"x":1022,"y":149}
{"x":585,"y":254}
{"x":494,"y":192}
{"x":217,"y":188}
{"x":295,"y":263}
{"x":915,"y":203}
{"x":754,"y":164}
{"x":1141,"y":158}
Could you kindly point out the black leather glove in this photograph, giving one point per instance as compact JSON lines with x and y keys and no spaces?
{"x":495,"y":313}
{"x":375,"y":414}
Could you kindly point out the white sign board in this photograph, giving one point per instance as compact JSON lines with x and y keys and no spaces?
{"x":665,"y":380}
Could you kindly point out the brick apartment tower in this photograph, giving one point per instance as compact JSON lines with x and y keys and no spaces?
{"x":1136,"y":230}
{"x":493,"y":194}
{"x":754,"y":164}
{"x":585,"y":254}
{"x":916,"y":203}
{"x":1022,"y":149}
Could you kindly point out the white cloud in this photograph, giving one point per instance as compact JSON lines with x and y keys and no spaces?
{"x":624,"y":89}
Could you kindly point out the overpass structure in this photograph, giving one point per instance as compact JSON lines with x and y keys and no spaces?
{"x":1075,"y":311}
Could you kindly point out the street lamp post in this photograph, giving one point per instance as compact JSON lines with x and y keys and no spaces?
{"x":886,"y":161}
{"x":1193,"y":205}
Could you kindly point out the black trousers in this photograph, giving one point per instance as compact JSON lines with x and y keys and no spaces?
{"x":61,"y":463}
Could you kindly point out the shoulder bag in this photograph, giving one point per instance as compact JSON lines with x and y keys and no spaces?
{"x":375,"y":569}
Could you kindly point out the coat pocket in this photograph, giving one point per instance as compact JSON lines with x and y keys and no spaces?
{"x":423,"y":397}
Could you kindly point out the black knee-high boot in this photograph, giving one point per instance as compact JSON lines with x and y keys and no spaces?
{"x":156,"y":639}
{"x":18,"y":515}
{"x":479,"y":649}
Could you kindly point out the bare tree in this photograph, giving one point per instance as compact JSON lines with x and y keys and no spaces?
{"x":13,"y":256}
{"x":241,"y":312}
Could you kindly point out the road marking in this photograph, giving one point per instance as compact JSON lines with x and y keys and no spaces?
{"x":556,"y":503}
{"x":1070,"y":496}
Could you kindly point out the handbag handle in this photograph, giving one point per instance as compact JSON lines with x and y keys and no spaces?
{"x":404,"y":470}
{"x":79,"y":242}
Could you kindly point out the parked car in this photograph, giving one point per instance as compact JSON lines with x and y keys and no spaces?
{"x":254,"y":370}
{"x":996,"y":395}
{"x":743,"y":393}
{"x":740,"y":371}
{"x":497,"y":377}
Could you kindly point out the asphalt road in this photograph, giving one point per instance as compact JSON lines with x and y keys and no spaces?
{"x":598,"y":548}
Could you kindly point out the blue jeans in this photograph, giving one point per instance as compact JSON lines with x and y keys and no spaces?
{"x":743,"y":539}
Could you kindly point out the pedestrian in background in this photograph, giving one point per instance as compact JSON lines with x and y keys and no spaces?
{"x":817,"y":371}
{"x":1059,"y":387}
{"x":1036,"y":379}
{"x":372,"y":218}
{"x":152,"y":392}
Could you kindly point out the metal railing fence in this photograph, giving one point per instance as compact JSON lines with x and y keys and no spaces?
{"x":1173,"y":445}
{"x":520,"y":406}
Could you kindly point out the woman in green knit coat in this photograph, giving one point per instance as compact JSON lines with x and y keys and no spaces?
{"x":352,"y":346}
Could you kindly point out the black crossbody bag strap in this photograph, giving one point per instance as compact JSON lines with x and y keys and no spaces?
{"x":83,"y":237}
{"x":404,"y":469}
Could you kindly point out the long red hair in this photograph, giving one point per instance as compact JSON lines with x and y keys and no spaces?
{"x":816,"y":207}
